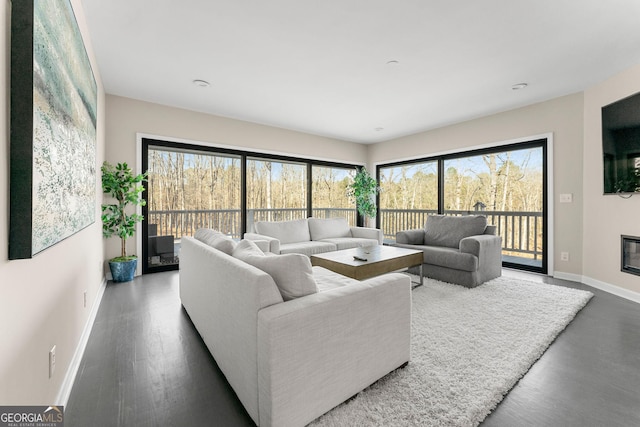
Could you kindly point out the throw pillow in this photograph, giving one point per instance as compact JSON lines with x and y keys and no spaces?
{"x":246,"y":248}
{"x":291,"y":272}
{"x":285,"y":231}
{"x":328,"y":228}
{"x":215,"y":239}
{"x":444,"y":230}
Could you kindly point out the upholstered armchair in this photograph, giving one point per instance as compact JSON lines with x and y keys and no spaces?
{"x":457,"y":249}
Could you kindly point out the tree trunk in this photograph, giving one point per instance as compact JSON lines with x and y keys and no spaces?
{"x":505,"y":186}
{"x":490,"y":161}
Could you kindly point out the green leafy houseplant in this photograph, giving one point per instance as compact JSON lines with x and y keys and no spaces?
{"x":121,"y":184}
{"x":364,"y":189}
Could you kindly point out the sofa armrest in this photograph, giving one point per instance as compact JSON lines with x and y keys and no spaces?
{"x":410,"y":237}
{"x":480,"y":244}
{"x":367,"y":233}
{"x":273,"y":244}
{"x":491,"y":230}
{"x":317,"y":351}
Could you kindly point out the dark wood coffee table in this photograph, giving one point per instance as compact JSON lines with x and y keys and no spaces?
{"x":379,"y":260}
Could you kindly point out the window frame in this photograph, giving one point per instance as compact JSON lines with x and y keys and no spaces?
{"x":536,"y":142}
{"x":244,"y":155}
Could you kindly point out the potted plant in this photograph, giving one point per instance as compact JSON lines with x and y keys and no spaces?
{"x":364,"y":189}
{"x":121,"y":184}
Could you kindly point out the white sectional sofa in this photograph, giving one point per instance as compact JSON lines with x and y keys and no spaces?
{"x":311,"y":236}
{"x":293,"y":341}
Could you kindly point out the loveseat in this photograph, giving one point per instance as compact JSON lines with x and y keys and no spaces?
{"x":311,"y":236}
{"x":293,"y":341}
{"x":457,"y":249}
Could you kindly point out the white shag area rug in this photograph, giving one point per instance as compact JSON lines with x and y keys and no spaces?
{"x":469,"y":347}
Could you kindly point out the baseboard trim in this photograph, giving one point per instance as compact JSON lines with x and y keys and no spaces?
{"x":613,"y":289}
{"x":568,"y":276}
{"x":603,"y":286}
{"x":70,"y":377}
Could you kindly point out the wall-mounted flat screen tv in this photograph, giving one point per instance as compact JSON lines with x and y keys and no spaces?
{"x":621,"y":145}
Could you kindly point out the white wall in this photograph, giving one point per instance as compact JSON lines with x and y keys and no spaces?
{"x":127,"y":117}
{"x":606,"y":217}
{"x":41,"y":299}
{"x":563,"y":117}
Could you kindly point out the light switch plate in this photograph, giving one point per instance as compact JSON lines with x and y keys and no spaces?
{"x":566,"y":198}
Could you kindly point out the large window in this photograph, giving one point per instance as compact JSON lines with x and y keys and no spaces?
{"x":191,"y":187}
{"x":408,"y":193}
{"x":329,"y":192}
{"x":276,"y":191}
{"x":507,"y":184}
{"x":187,"y":190}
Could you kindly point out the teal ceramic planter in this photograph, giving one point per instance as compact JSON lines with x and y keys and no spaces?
{"x":123,"y":271}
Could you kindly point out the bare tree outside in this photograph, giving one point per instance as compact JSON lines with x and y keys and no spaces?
{"x":329,"y":192}
{"x":188,"y":190}
{"x":506,"y":186}
{"x":192,"y":189}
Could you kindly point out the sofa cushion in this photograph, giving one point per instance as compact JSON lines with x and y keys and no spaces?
{"x":327,"y":279}
{"x":215,"y":239}
{"x":307,"y":248}
{"x":285,"y":231}
{"x":291,"y":272}
{"x":327,"y":228}
{"x":351,"y":242}
{"x":448,"y":257}
{"x":444,"y":230}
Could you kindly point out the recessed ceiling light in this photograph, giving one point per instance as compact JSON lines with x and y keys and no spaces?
{"x":201,"y":83}
{"x":393,"y":62}
{"x":519,"y":86}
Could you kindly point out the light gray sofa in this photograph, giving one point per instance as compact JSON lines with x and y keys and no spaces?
{"x":311,"y":236}
{"x":457,"y":249}
{"x":289,"y":359}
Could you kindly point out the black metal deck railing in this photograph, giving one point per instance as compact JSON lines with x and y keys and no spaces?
{"x":521,"y":231}
{"x":180,"y":223}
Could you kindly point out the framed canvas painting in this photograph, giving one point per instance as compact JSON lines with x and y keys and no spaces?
{"x":53,"y":128}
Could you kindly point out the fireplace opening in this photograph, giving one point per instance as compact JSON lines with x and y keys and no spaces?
{"x":630,"y":254}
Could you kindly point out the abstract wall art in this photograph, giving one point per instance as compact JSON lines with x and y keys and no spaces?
{"x":53,"y":128}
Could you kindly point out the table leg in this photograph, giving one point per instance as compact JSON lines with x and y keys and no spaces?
{"x":416,"y":284}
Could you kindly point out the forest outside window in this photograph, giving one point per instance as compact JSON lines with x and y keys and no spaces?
{"x":187,"y":190}
{"x":329,"y":191}
{"x":192,"y":186}
{"x":507,"y":184}
{"x":276,"y":191}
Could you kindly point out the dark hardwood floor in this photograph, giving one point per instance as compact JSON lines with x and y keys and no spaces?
{"x":145,"y":365}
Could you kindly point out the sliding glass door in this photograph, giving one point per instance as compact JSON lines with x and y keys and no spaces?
{"x":508,"y":187}
{"x":276,"y":191}
{"x":187,"y":190}
{"x":408,"y":193}
{"x":507,"y":184}
{"x":191,"y":186}
{"x":329,"y":191}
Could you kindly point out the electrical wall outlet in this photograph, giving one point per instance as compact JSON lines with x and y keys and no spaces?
{"x":566,"y":198}
{"x":52,"y":361}
{"x":564,"y":256}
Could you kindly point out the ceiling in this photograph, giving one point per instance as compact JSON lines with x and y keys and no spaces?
{"x":327,"y":67}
